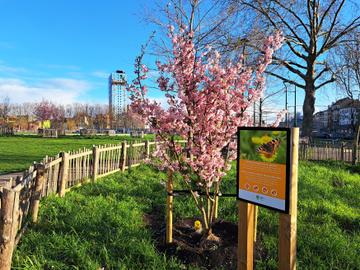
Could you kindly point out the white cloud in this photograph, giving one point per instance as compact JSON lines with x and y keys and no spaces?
{"x":100,"y":74}
{"x":58,"y":90}
{"x":10,"y":69}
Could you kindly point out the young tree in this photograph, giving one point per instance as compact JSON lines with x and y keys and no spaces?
{"x":312,"y":29}
{"x":207,"y":101}
{"x":46,"y":110}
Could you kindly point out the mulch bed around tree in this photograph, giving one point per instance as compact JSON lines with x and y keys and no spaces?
{"x":189,"y":248}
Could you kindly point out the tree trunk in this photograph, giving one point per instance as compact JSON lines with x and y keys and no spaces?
{"x":308,"y":109}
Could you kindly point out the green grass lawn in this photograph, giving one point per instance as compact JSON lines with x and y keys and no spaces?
{"x":101,"y":224}
{"x":19,"y":152}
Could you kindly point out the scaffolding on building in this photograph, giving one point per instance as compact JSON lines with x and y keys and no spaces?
{"x":117,"y":98}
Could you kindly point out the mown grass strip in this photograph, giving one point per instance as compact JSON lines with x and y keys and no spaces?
{"x":19,"y":152}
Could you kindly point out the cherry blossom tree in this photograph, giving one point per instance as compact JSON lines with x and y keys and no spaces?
{"x":46,"y":110}
{"x":207,"y":100}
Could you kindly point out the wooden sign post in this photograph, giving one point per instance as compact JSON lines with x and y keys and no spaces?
{"x":267,"y":176}
{"x":246,"y":236}
{"x":288,"y":228}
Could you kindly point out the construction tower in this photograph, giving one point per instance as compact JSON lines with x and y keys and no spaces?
{"x":117,"y":98}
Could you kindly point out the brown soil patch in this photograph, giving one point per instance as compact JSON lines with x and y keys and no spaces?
{"x":190,"y":248}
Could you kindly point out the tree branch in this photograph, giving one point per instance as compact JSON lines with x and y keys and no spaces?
{"x":289,"y":62}
{"x":285,"y":79}
{"x":297,"y":53}
{"x":325,"y":83}
{"x":321,"y":72}
{"x":292,"y":69}
{"x":302,"y":43}
{"x":295,"y":15}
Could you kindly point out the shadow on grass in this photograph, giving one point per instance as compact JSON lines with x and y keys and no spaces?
{"x":97,"y":225}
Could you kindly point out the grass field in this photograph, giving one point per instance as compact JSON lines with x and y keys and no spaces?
{"x":19,"y":152}
{"x":101,"y":225}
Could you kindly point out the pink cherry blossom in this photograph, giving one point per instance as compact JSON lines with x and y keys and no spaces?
{"x":207,"y":101}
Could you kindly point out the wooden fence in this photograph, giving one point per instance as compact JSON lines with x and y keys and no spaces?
{"x":329,"y":151}
{"x":6,"y":131}
{"x":55,"y":175}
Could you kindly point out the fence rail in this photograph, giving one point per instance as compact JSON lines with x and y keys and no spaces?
{"x":54,"y":175}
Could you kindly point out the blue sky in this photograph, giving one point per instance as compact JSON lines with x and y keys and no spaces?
{"x":64,"y":50}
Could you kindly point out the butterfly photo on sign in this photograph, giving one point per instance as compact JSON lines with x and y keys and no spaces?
{"x":263,"y":145}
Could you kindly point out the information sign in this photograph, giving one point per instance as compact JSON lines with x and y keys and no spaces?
{"x":263,"y":167}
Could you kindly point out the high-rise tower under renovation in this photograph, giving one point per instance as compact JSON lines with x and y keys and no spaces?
{"x":117,"y":98}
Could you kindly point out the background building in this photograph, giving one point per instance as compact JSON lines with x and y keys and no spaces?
{"x":339,"y":120}
{"x":117,"y":98}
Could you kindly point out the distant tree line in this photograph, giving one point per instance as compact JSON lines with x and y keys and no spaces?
{"x":71,"y":116}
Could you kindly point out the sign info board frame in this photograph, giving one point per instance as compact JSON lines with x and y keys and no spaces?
{"x":268,"y":146}
{"x":256,"y":177}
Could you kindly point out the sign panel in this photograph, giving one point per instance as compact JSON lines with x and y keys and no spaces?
{"x":264,"y":167}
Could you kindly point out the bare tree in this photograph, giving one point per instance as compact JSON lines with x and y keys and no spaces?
{"x":312,"y":29}
{"x":262,"y":104}
{"x":5,"y":108}
{"x":212,"y":21}
{"x":347,"y":66}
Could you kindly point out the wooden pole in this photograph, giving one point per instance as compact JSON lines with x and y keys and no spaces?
{"x":123,"y":156}
{"x":216,"y":214}
{"x":288,"y":226}
{"x":356,"y":145}
{"x":256,"y":221}
{"x":216,"y":203}
{"x":39,"y":181}
{"x":130,"y":155}
{"x":95,"y":162}
{"x":342,"y":151}
{"x":169,"y":208}
{"x":147,"y":147}
{"x":64,"y":173}
{"x":8,"y":226}
{"x":246,"y":236}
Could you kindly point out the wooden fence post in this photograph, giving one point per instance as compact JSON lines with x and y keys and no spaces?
{"x":8,"y":226}
{"x":356,"y":145}
{"x":147,"y":149}
{"x":95,"y":162}
{"x":246,"y":236}
{"x":288,"y":226}
{"x":342,"y":151}
{"x":39,"y":181}
{"x":130,"y":155}
{"x":64,"y":173}
{"x":123,"y":156}
{"x":169,"y":208}
{"x":354,"y":154}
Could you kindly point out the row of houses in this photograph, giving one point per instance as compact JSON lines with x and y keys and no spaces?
{"x":339,"y":120}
